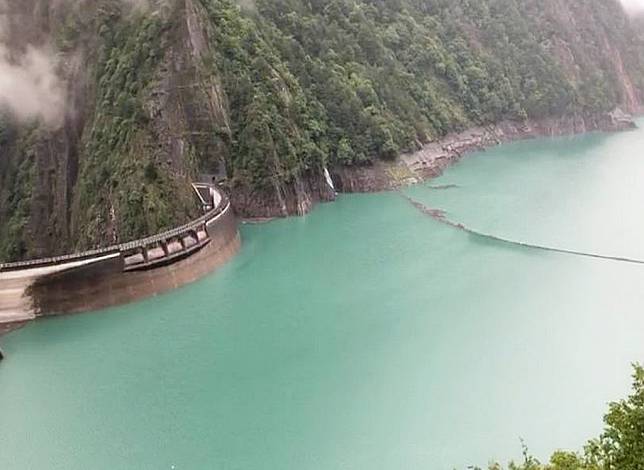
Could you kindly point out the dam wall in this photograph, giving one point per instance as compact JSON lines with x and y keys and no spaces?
{"x":120,"y":274}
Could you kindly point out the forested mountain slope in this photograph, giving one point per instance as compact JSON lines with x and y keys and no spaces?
{"x":269,"y":93}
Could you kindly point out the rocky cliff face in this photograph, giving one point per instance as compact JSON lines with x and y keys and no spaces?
{"x":141,"y":120}
{"x":295,"y":198}
{"x":265,"y":95}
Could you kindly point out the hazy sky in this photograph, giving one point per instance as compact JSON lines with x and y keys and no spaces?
{"x":634,"y":4}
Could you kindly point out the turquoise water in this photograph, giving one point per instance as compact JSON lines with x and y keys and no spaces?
{"x":364,"y":336}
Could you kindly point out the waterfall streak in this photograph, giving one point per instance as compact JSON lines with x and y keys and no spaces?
{"x":329,"y":180}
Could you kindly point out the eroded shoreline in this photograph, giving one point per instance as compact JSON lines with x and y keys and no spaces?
{"x":433,"y":158}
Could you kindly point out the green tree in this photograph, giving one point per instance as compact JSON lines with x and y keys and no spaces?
{"x":620,"y":446}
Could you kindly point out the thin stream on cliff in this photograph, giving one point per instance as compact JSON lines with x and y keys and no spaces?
{"x":365,"y":335}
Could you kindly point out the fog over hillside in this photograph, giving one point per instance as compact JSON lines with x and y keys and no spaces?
{"x":30,"y":86}
{"x":634,"y":5}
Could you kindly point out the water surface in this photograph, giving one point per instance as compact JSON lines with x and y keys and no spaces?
{"x":364,"y":336}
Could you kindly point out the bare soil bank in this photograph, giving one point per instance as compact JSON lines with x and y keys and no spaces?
{"x":299,"y":196}
{"x":431,"y":160}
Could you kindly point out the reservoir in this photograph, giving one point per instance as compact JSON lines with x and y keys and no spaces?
{"x":365,"y":335}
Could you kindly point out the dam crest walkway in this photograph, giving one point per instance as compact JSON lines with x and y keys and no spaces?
{"x":148,"y":253}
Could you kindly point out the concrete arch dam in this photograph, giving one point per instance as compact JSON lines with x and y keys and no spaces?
{"x":123,"y":273}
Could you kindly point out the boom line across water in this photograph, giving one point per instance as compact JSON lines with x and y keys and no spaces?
{"x":441,"y":216}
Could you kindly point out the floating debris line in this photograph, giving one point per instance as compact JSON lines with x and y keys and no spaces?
{"x":441,"y":216}
{"x":443,"y":186}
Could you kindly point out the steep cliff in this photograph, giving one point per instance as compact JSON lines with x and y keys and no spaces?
{"x":268,"y":94}
{"x":140,"y":120}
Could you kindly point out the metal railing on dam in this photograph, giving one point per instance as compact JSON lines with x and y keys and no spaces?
{"x":222,"y":206}
{"x":121,"y":273}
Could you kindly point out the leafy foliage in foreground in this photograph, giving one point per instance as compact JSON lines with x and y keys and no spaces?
{"x":620,"y":447}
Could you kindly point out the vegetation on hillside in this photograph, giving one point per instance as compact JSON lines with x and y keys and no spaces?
{"x":17,"y":195}
{"x":305,"y":84}
{"x":350,"y":81}
{"x":119,"y":153}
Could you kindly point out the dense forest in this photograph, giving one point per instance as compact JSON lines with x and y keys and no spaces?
{"x":369,"y":79}
{"x":266,"y":94}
